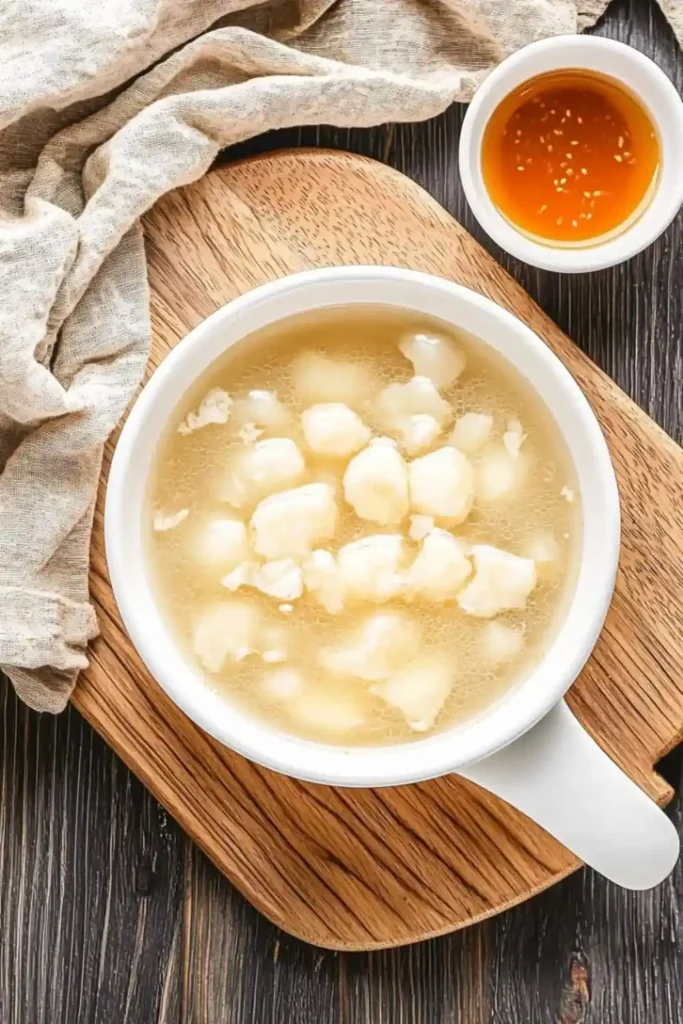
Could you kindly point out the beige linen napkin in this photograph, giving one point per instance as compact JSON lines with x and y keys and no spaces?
{"x":103,"y":108}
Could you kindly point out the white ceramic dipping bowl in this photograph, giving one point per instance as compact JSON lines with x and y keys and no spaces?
{"x":555,"y":773}
{"x":640,"y":76}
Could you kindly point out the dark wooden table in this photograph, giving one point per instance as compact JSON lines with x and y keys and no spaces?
{"x":110,"y":915}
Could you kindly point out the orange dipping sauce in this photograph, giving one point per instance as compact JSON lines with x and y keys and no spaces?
{"x":570,"y":156}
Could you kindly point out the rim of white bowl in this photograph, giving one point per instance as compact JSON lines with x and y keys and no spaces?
{"x":639,"y":75}
{"x":445,"y":751}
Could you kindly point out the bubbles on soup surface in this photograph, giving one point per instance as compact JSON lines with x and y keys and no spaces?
{"x":366,"y":527}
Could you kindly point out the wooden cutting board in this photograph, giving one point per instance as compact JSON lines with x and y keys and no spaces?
{"x":359,"y":869}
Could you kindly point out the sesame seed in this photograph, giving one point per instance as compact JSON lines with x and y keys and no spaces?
{"x":562,"y":120}
{"x":559,"y":220}
{"x":570,"y":156}
{"x":557,"y":131}
{"x":552,"y":111}
{"x":574,"y":142}
{"x":543,"y":208}
{"x":520,"y":167}
{"x":620,"y":143}
{"x":516,"y":141}
{"x":575,"y":224}
{"x":559,"y":189}
{"x":598,"y":192}
{"x":589,"y":216}
{"x":617,"y":158}
{"x":528,"y":160}
{"x":568,"y":113}
{"x":626,"y":154}
{"x":518,"y":132}
{"x":550,"y":149}
{"x":580,"y":120}
{"x":563,"y":181}
{"x":584,"y":171}
{"x":542,"y":138}
{"x":570,"y":170}
{"x":587,"y":195}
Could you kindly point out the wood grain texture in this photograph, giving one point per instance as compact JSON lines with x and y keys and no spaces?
{"x":89,"y":865}
{"x":365,"y":869}
{"x":230,"y":964}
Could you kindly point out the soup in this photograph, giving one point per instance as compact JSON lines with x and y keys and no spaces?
{"x":363,"y":526}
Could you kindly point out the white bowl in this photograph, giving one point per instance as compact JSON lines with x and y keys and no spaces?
{"x":515,"y":713}
{"x":648,"y":83}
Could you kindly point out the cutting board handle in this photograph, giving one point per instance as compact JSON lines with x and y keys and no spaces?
{"x":559,"y":776}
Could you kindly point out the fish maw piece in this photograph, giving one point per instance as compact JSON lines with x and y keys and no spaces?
{"x":282,"y":579}
{"x":214,"y":408}
{"x":273,"y":655}
{"x":283,"y":683}
{"x":513,"y":438}
{"x":370,"y":569}
{"x":275,"y":637}
{"x":249,"y":432}
{"x":546,"y":553}
{"x":262,"y":469}
{"x":439,"y":570}
{"x":499,"y":474}
{"x":501,"y":581}
{"x":263,"y":409}
{"x":322,"y":580}
{"x":162,"y":522}
{"x":220,"y":544}
{"x":420,"y":526}
{"x":333,"y":429}
{"x":376,"y":484}
{"x":434,"y":357}
{"x":225,"y":631}
{"x":318,"y":378}
{"x":419,"y":691}
{"x":380,"y":645}
{"x":240,"y":576}
{"x":331,"y":713}
{"x":501,"y":643}
{"x":291,"y":523}
{"x":419,"y":432}
{"x":471,"y":432}
{"x":418,"y":397}
{"x":442,"y":484}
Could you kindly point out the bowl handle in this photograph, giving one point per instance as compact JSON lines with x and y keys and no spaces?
{"x":559,"y":776}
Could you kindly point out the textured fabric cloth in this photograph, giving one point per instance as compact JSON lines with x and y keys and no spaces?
{"x":103,"y":108}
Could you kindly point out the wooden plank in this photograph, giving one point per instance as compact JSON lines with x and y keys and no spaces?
{"x":90,"y":880}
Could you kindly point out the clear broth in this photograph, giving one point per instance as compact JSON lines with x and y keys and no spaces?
{"x":186,"y":468}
